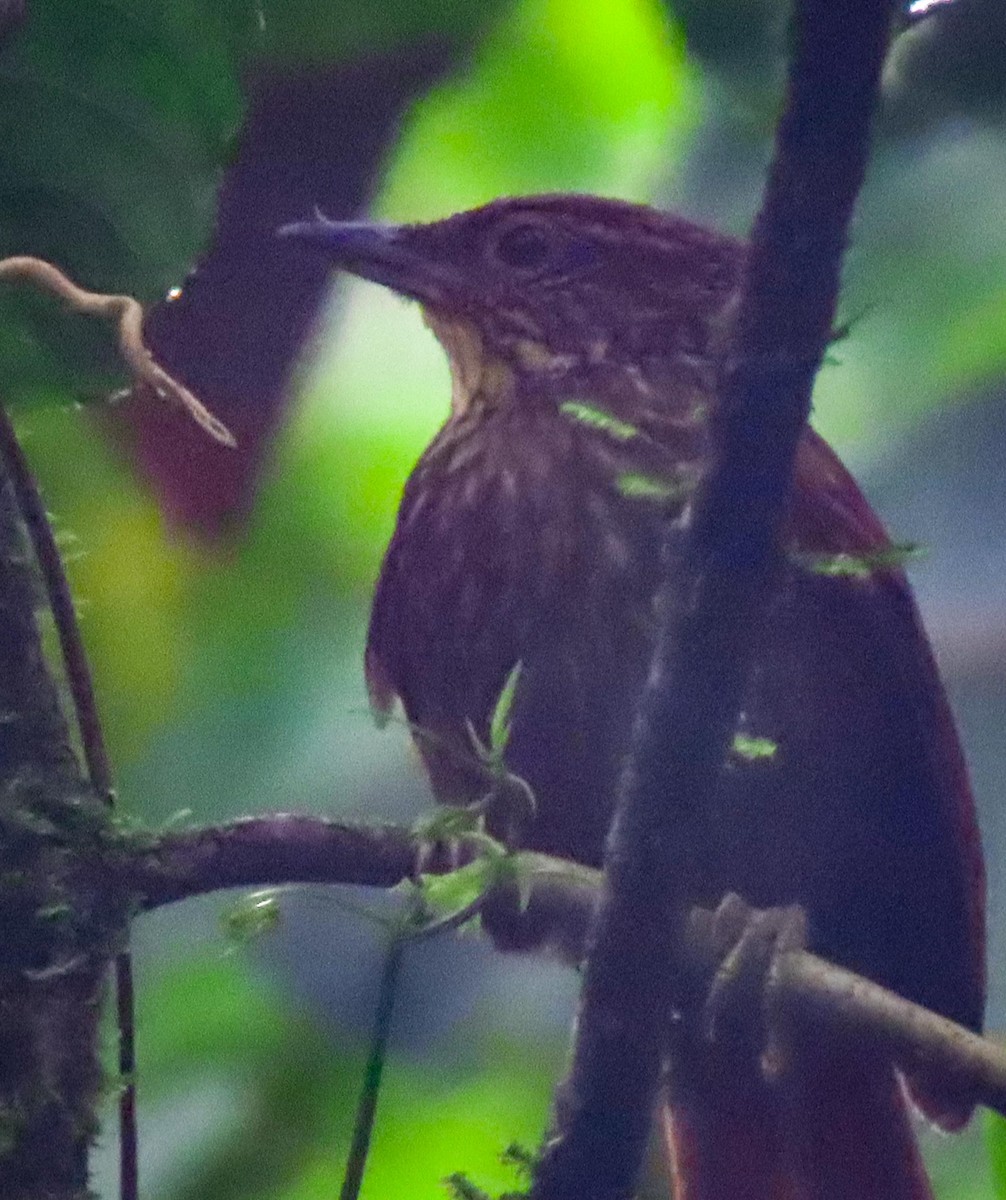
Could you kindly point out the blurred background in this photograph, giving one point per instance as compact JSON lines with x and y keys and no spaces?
{"x":224,"y":594}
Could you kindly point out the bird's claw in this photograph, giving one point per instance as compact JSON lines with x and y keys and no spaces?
{"x":749,"y":943}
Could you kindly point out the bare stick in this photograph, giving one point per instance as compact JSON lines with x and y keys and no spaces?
{"x":366,"y":1112}
{"x":128,"y":313}
{"x":817,"y":994}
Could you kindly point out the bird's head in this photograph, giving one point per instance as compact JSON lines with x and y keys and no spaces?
{"x":549,"y":283}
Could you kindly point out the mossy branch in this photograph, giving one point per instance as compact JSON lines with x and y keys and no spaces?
{"x":57,"y":933}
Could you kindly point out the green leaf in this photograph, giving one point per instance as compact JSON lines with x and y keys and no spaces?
{"x":599,"y":418}
{"x":445,"y":896}
{"x":860,"y":566}
{"x":499,"y":723}
{"x":636,"y":485}
{"x":754,"y":749}
{"x":116,"y":118}
{"x":252,"y":916}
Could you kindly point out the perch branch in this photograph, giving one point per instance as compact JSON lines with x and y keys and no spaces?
{"x":128,"y":313}
{"x":261,"y":851}
{"x":288,"y":848}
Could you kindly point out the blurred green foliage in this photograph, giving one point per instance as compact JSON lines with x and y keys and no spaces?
{"x":114,"y":121}
{"x":259,"y":1097}
{"x":230,"y":678}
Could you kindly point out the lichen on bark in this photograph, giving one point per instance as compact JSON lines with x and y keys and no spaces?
{"x":57,"y":931}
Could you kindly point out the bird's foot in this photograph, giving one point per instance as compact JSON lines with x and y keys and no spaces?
{"x":748,"y":944}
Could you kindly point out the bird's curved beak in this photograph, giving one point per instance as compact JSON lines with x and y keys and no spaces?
{"x":373,"y":251}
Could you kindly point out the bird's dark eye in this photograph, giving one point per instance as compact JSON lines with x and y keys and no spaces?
{"x":524,"y":247}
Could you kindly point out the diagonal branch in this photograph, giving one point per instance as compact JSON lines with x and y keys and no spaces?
{"x":716,"y":591}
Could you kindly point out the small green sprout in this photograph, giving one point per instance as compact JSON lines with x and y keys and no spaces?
{"x":636,"y":485}
{"x":444,"y":899}
{"x":754,"y":749}
{"x":600,"y":419}
{"x":252,"y":916}
{"x":499,"y":724}
{"x":860,"y":566}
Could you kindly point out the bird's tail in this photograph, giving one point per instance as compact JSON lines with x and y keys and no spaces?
{"x":837,"y":1127}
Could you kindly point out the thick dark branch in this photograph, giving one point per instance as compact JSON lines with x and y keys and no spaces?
{"x":716,"y":592}
{"x":92,"y":743}
{"x":54,"y":937}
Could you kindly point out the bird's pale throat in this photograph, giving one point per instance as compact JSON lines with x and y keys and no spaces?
{"x":478,"y":377}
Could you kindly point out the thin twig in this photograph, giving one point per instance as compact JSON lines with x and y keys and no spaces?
{"x":57,"y":587}
{"x":367,"y":1108}
{"x":129,"y":1132}
{"x":92,"y":739}
{"x":128,"y":313}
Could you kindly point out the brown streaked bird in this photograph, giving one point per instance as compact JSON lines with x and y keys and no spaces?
{"x":583,"y":337}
